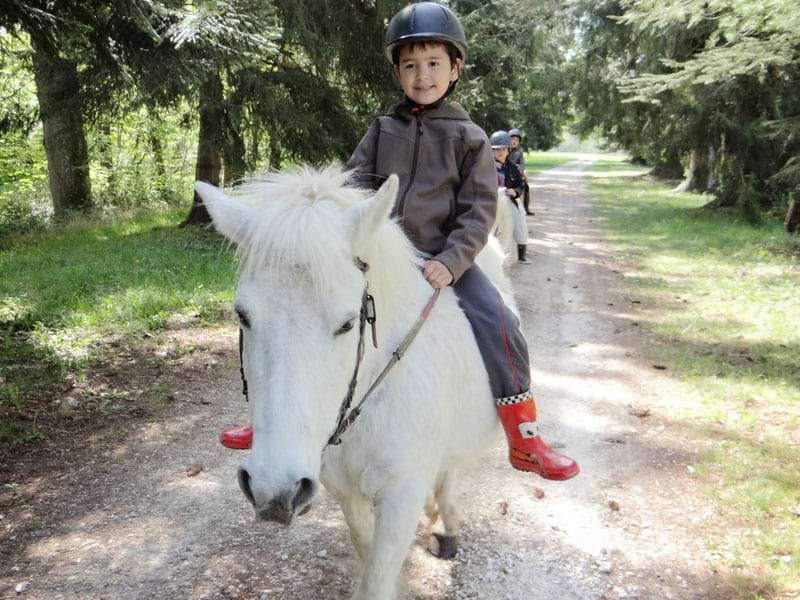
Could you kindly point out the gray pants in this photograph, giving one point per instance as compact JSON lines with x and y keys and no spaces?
{"x":498,"y":333}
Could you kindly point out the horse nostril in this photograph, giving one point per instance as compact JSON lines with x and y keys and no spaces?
{"x":306,"y":489}
{"x":244,"y":484}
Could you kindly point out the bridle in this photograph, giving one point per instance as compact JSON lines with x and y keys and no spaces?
{"x":366,"y":316}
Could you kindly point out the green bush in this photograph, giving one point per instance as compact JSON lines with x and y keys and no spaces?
{"x":23,"y":211}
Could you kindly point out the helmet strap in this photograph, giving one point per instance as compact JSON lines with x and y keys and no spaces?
{"x":452,"y":86}
{"x":450,"y":89}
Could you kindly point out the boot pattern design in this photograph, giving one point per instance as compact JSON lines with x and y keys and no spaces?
{"x":528,"y":430}
{"x":509,"y":400}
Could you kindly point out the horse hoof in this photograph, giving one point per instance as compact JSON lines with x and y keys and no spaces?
{"x":443,"y":546}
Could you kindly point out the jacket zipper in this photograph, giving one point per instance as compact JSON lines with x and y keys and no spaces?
{"x":401,"y":204}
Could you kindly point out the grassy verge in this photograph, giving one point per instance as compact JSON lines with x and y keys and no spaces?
{"x":536,"y":162}
{"x":722,"y":303}
{"x":65,"y":295}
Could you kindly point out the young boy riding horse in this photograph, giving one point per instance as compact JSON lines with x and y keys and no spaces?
{"x":447,"y":207}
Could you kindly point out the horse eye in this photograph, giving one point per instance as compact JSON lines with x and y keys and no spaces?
{"x":344,"y":328}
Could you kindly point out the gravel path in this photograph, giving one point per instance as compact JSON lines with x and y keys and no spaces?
{"x":123,"y":520}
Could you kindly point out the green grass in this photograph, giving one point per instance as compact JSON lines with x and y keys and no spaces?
{"x":63,"y":292}
{"x":536,"y":162}
{"x":721,"y":302}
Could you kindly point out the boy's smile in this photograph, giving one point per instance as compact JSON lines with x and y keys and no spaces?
{"x":425,"y":72}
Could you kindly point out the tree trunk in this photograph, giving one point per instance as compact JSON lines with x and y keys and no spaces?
{"x":275,"y":154}
{"x":60,"y":108}
{"x":699,"y":175}
{"x":104,"y":148}
{"x":211,"y":140}
{"x":669,"y":167}
{"x":792,"y":222}
{"x":234,"y":150}
{"x":157,"y":148}
{"x":688,"y":183}
{"x":255,"y":144}
{"x":711,"y":181}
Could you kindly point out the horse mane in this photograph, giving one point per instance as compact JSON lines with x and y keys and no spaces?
{"x":294,"y":227}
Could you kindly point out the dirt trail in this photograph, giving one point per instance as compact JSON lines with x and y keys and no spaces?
{"x":122,"y":520}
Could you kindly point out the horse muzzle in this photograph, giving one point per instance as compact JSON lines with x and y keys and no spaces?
{"x":282,"y":507}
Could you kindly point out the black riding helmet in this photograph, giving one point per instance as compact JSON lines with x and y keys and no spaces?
{"x":425,"y":21}
{"x":500,"y":139}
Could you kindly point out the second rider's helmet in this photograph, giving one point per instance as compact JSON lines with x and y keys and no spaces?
{"x":425,"y":21}
{"x":500,"y":139}
{"x":515,"y":133}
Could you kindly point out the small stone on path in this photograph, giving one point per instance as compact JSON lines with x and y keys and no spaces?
{"x":193,"y":470}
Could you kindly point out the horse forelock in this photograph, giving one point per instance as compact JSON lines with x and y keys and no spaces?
{"x":299,"y":222}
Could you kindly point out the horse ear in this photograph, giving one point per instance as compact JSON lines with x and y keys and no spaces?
{"x":370,"y":215}
{"x":228,"y":215}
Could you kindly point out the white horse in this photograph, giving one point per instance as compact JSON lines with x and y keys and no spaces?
{"x":300,"y":236}
{"x":504,"y":227}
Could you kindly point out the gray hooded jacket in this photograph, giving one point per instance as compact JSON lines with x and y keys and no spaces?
{"x":448,"y":185}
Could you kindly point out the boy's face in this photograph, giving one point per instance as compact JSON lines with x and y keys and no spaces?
{"x":514,"y":141}
{"x":425,"y":72}
{"x":501,"y":154}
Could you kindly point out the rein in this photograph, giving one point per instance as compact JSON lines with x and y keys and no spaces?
{"x":345,"y":419}
{"x":366,"y":316}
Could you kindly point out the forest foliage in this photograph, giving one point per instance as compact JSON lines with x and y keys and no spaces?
{"x":702,"y":87}
{"x":115,"y":104}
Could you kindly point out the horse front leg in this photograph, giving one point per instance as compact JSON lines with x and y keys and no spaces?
{"x":360,"y":520}
{"x":397,"y":512}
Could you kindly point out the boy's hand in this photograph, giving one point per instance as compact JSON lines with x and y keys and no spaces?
{"x":437,"y":274}
{"x":511,"y":193}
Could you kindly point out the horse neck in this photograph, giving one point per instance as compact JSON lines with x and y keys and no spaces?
{"x":396,"y":282}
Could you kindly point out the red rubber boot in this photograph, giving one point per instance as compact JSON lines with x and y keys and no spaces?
{"x":238,"y":438}
{"x":527,"y":451}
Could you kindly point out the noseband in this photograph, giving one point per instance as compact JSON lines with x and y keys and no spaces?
{"x":366,"y":316}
